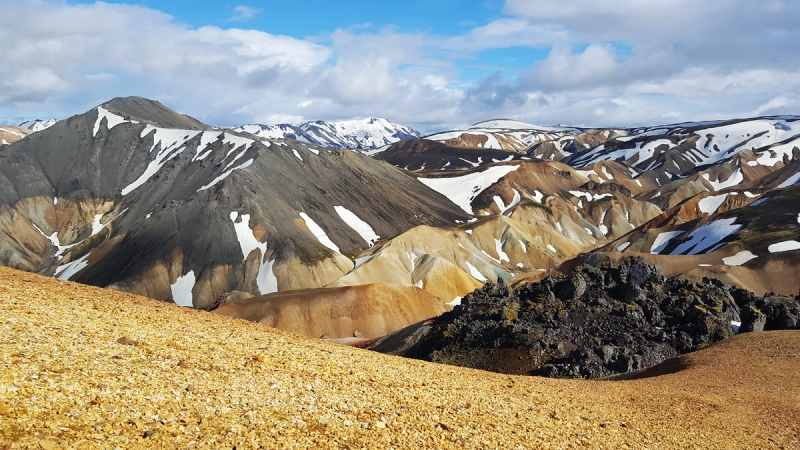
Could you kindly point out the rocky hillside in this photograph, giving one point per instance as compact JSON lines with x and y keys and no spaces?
{"x":365,"y":134}
{"x":593,"y":323}
{"x":136,"y":197}
{"x":82,"y":367}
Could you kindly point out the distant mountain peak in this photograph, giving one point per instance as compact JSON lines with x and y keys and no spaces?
{"x":153,"y":112}
{"x":38,"y":124}
{"x":357,"y":134}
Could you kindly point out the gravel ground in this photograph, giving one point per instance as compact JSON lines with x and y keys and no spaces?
{"x":82,"y":367}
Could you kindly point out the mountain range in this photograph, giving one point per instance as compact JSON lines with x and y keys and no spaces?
{"x":323,"y":241}
{"x":362,"y":134}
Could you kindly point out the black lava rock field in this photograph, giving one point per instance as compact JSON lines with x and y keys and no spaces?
{"x":597,"y":322}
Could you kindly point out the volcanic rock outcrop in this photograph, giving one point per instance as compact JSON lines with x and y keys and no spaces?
{"x":596,"y":322}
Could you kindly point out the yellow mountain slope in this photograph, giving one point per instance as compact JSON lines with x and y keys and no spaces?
{"x":82,"y":367}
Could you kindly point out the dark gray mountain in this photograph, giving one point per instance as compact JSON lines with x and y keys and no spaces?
{"x":135,"y":196}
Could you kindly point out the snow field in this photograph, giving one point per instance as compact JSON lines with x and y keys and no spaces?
{"x":462,"y":190}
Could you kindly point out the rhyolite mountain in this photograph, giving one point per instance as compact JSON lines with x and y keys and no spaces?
{"x":364,"y":134}
{"x":9,"y":134}
{"x":663,"y":185}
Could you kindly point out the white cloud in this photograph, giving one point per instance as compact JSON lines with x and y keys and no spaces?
{"x":245,"y":12}
{"x":636,"y":61}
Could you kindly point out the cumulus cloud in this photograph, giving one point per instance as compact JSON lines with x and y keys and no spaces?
{"x":621,"y":62}
{"x":630,"y":62}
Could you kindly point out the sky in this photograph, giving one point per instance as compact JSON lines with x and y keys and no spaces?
{"x":430,"y":64}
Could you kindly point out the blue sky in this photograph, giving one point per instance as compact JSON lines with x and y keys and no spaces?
{"x":430,"y":64}
{"x":304,"y":18}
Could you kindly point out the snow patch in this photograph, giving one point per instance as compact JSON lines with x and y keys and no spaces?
{"x":247,"y":241}
{"x":498,"y":247}
{"x":265,"y":280}
{"x":359,"y":226}
{"x":456,"y":301}
{"x":471,"y":163}
{"x":226,"y":174}
{"x":112,"y":120}
{"x":707,"y":236}
{"x":363,"y":260}
{"x":297,"y":154}
{"x":475,"y":273}
{"x":206,"y":139}
{"x":710,"y":204}
{"x":590,"y":197}
{"x":514,"y":202}
{"x":171,"y":142}
{"x":70,"y":269}
{"x":318,"y":232}
{"x":790,"y":181}
{"x":182,"y":290}
{"x":735,"y":178}
{"x":623,"y":247}
{"x":739,"y":258}
{"x":96,"y":225}
{"x":662,"y":240}
{"x":784,"y":246}
{"x":551,"y":248}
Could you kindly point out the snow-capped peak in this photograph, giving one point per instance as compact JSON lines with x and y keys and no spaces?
{"x":353,"y":134}
{"x":38,"y":124}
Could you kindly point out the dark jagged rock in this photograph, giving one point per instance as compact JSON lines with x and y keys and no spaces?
{"x":596,"y":322}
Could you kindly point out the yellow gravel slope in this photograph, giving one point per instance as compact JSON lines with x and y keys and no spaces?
{"x":82,"y":367}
